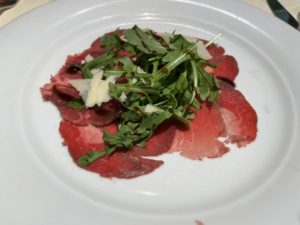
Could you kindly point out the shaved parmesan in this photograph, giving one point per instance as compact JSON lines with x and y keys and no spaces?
{"x":99,"y":90}
{"x":97,"y":71}
{"x":190,"y":39}
{"x":82,"y":86}
{"x":202,"y":51}
{"x":123,"y":97}
{"x":134,"y":80}
{"x":123,"y":38}
{"x":88,"y":58}
{"x":151,"y":109}
{"x":165,"y":36}
{"x":140,"y":70}
{"x":93,"y":91}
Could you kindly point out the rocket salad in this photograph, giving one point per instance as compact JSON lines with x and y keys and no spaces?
{"x":163,"y":78}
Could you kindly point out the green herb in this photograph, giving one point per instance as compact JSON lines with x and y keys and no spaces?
{"x":128,"y":65}
{"x":76,"y":104}
{"x":135,"y":40}
{"x":147,"y":39}
{"x":168,"y":78}
{"x":93,"y":155}
{"x":96,"y":62}
{"x":111,"y":41}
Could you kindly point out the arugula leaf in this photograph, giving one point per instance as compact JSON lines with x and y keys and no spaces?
{"x":96,"y":62}
{"x":178,"y":42}
{"x":90,"y":157}
{"x":131,"y":116}
{"x":113,"y":72}
{"x":76,"y":104}
{"x":196,"y":104}
{"x":194,"y":74}
{"x":152,"y":121}
{"x":166,"y":75}
{"x":177,"y":60}
{"x":180,"y":115}
{"x":150,"y":42}
{"x":128,"y":66}
{"x":129,"y":88}
{"x":134,"y":40}
{"x":111,"y":41}
{"x":129,"y":48}
{"x":170,"y":56}
{"x":128,"y":135}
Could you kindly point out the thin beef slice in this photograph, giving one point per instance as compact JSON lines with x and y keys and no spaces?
{"x":226,"y":65}
{"x":232,"y":118}
{"x":159,"y":143}
{"x":83,"y":139}
{"x":238,"y":115}
{"x":200,"y":140}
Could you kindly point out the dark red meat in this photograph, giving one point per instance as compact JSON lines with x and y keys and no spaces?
{"x":60,"y":81}
{"x":50,"y":93}
{"x":160,"y":143}
{"x":227,"y":66}
{"x":100,"y":116}
{"x":107,"y":113}
{"x":78,"y":59}
{"x":198,"y":222}
{"x":216,"y":50}
{"x":122,"y":165}
{"x":67,"y":90}
{"x":53,"y":94}
{"x":60,"y":92}
{"x":83,"y":139}
{"x":232,"y":118}
{"x":238,"y":115}
{"x":96,"y":44}
{"x":201,"y":139}
{"x":79,"y":117}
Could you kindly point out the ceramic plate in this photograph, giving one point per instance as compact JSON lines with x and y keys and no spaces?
{"x":256,"y":185}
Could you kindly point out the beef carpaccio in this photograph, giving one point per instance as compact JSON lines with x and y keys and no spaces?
{"x":137,"y":93}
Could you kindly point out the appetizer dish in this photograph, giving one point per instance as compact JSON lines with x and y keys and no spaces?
{"x":136,"y":93}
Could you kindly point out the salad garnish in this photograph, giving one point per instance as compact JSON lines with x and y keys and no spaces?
{"x":162,"y":79}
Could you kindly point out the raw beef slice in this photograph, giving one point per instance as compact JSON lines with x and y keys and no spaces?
{"x":226,"y":65}
{"x":201,"y":139}
{"x":83,"y":139}
{"x":159,"y":143}
{"x":232,"y":118}
{"x":238,"y":115}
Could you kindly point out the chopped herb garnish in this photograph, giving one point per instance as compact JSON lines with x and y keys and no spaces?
{"x":165,"y":80}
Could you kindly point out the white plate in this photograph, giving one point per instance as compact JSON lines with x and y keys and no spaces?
{"x":257,"y":185}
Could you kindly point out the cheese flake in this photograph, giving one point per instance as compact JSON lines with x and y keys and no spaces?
{"x":88,"y":58}
{"x":201,"y":49}
{"x":151,"y":109}
{"x":94,"y":91}
{"x":99,"y":90}
{"x":82,"y":86}
{"x":123,"y":97}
